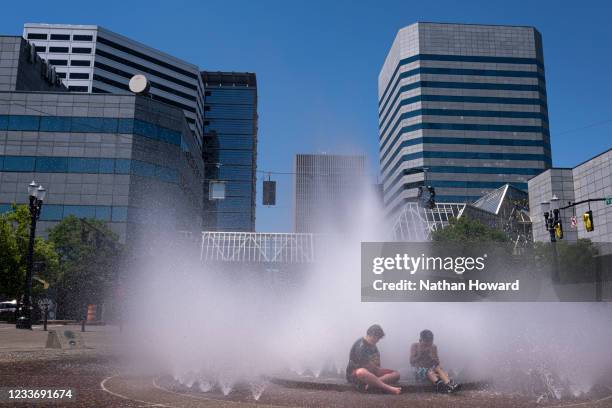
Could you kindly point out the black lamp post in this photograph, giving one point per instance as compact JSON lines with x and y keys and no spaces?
{"x":37,"y":195}
{"x":551,"y":218}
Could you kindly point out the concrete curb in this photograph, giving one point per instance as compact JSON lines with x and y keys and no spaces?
{"x":333,"y":385}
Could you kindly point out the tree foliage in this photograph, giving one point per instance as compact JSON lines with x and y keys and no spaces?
{"x":468,"y":230}
{"x":14,"y":239}
{"x":89,"y":254}
{"x":576,"y":261}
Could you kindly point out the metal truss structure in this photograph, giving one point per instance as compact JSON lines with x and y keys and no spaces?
{"x":505,"y":208}
{"x":415,"y":223}
{"x":256,"y":247}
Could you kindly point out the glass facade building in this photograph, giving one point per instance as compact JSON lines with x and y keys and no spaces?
{"x":327,"y":187}
{"x":462,"y":108}
{"x":230,"y":149}
{"x":125,"y":159}
{"x":90,"y":58}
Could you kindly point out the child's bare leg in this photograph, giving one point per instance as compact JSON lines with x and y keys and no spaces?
{"x":442,"y":374}
{"x":431,"y":374}
{"x":390,"y":378}
{"x":367,"y":377}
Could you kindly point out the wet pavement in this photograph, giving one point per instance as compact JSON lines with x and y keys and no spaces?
{"x":101,"y":378}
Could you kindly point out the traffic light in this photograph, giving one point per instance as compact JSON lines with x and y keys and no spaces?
{"x":269,"y":192}
{"x":587,"y":217}
{"x":559,"y":230}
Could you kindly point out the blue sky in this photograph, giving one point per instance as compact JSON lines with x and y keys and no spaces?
{"x":317,"y":64}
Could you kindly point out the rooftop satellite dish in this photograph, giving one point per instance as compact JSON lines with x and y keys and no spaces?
{"x":139,"y":84}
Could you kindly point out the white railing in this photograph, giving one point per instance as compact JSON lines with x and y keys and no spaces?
{"x":257,"y":247}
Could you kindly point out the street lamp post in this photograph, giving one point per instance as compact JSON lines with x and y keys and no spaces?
{"x":551,"y":218}
{"x":37,"y":195}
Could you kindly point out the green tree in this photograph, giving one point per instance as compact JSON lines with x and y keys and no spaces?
{"x":14,"y":238}
{"x":89,"y":255}
{"x":468,"y":230}
{"x":576,"y":261}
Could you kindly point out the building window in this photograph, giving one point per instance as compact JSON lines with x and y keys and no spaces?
{"x":75,"y":88}
{"x":19,"y":163}
{"x":80,"y":63}
{"x":61,"y":74}
{"x":58,"y":62}
{"x":40,"y":48}
{"x":80,"y":37}
{"x":81,"y":50}
{"x":58,"y":49}
{"x":119,"y":214}
{"x":37,"y":36}
{"x":79,"y":75}
{"x":63,"y":37}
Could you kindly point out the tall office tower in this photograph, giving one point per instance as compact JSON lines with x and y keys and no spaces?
{"x":124,"y":159}
{"x":93,"y":59}
{"x":462,"y":108}
{"x":325,"y":188}
{"x":230,"y":148}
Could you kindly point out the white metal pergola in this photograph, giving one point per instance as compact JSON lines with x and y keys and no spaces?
{"x":415,"y":223}
{"x":257,"y":247}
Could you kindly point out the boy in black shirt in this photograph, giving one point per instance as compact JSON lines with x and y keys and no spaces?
{"x":363,"y":368}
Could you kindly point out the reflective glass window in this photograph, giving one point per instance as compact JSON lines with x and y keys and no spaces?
{"x":141,"y":168}
{"x":80,"y":63}
{"x":122,"y":166}
{"x":51,"y":164}
{"x":81,"y":50}
{"x":63,"y":37}
{"x":119,"y":214}
{"x":103,"y":212}
{"x":107,"y":166}
{"x":79,"y":75}
{"x":83,"y":165}
{"x":23,"y":122}
{"x":55,"y":123}
{"x":82,"y":37}
{"x":145,"y":129}
{"x":51,"y":212}
{"x":37,"y":36}
{"x":19,"y":163}
{"x":126,"y":125}
{"x":80,"y":211}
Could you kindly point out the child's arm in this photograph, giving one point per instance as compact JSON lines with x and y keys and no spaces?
{"x":413,"y":355}
{"x":434,"y":355}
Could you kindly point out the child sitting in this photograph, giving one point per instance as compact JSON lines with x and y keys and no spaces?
{"x":424,"y":356}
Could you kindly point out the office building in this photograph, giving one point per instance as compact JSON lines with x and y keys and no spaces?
{"x":230,"y":149}
{"x":462,"y":108}
{"x":125,"y":159}
{"x":326,"y":186}
{"x":588,"y":180}
{"x":93,"y":59}
{"x":23,"y":70}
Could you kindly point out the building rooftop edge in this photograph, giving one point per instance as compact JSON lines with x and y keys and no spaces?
{"x":113,"y":33}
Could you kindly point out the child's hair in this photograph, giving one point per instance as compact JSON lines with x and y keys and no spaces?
{"x":376,"y":331}
{"x":427,"y":335}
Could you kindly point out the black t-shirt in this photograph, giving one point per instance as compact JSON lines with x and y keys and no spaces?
{"x":362,"y":354}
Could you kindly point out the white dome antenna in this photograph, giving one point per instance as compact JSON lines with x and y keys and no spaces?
{"x":139,"y":84}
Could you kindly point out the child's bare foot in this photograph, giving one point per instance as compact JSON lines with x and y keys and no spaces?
{"x":395,"y":390}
